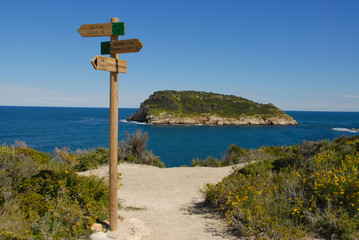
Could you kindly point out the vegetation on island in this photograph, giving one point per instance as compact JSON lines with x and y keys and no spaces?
{"x":43,"y":197}
{"x":193,"y":103}
{"x":290,"y":192}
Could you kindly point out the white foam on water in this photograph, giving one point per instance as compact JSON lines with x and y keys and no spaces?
{"x":133,"y":122}
{"x":345,"y":130}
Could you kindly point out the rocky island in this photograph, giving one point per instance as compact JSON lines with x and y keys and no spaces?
{"x":192,"y":107}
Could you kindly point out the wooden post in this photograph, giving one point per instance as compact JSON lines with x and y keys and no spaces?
{"x":114,"y":66}
{"x":113,"y":141}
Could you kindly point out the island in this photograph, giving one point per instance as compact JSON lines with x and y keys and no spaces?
{"x":206,"y":108}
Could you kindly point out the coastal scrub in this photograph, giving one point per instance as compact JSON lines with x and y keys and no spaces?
{"x":43,"y":197}
{"x":313,"y":189}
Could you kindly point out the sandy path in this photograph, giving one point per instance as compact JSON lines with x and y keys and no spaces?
{"x":161,"y":204}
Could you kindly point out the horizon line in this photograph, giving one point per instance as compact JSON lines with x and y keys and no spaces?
{"x":354,"y":111}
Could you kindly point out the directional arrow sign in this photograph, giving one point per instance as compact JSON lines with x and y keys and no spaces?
{"x":109,"y":64}
{"x":121,"y":46}
{"x":102,"y":29}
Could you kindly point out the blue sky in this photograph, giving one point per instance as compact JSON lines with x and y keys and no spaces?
{"x":298,"y":54}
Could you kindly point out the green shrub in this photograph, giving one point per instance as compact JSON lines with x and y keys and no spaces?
{"x":68,"y":204}
{"x":44,"y":198}
{"x":157,"y":162}
{"x":39,"y":157}
{"x":134,"y":150}
{"x":14,"y":169}
{"x":13,"y":223}
{"x":209,"y":162}
{"x":293,"y":192}
{"x":92,"y":158}
{"x":65,"y":156}
{"x":236,"y":155}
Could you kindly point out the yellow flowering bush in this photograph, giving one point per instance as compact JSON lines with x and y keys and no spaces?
{"x":312,"y":190}
{"x":333,"y":192}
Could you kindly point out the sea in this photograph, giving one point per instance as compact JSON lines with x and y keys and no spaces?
{"x":47,"y":128}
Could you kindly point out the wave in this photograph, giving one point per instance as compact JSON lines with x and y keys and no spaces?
{"x":133,"y":122}
{"x":143,"y":123}
{"x":346,"y":130}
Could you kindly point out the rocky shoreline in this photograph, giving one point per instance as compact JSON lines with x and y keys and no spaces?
{"x":142,"y":115}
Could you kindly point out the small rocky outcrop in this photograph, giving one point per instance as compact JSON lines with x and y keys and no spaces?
{"x":190,"y":107}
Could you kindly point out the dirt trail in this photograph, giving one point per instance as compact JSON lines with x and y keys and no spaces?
{"x":165,"y":204}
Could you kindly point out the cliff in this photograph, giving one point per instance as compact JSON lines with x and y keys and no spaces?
{"x":192,"y":107}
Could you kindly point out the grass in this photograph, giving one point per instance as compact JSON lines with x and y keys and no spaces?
{"x":294,"y":192}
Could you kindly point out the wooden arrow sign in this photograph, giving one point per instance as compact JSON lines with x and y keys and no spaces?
{"x":109,"y":64}
{"x":102,"y":29}
{"x":121,"y":46}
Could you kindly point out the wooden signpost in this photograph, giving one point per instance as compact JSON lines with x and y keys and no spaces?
{"x":114,"y":66}
{"x":102,"y":29}
{"x":109,"y":64}
{"x":122,"y":46}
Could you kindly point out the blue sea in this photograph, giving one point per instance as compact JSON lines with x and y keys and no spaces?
{"x":45,"y":128}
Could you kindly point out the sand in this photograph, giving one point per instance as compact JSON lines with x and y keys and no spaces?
{"x":165,"y":204}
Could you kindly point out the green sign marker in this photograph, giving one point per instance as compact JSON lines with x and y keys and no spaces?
{"x":118,"y":28}
{"x":105,"y":48}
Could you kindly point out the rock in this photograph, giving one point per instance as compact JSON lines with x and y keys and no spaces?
{"x":97,"y":227}
{"x":141,"y":115}
{"x":128,"y":229}
{"x":99,"y":236}
{"x":215,"y":120}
